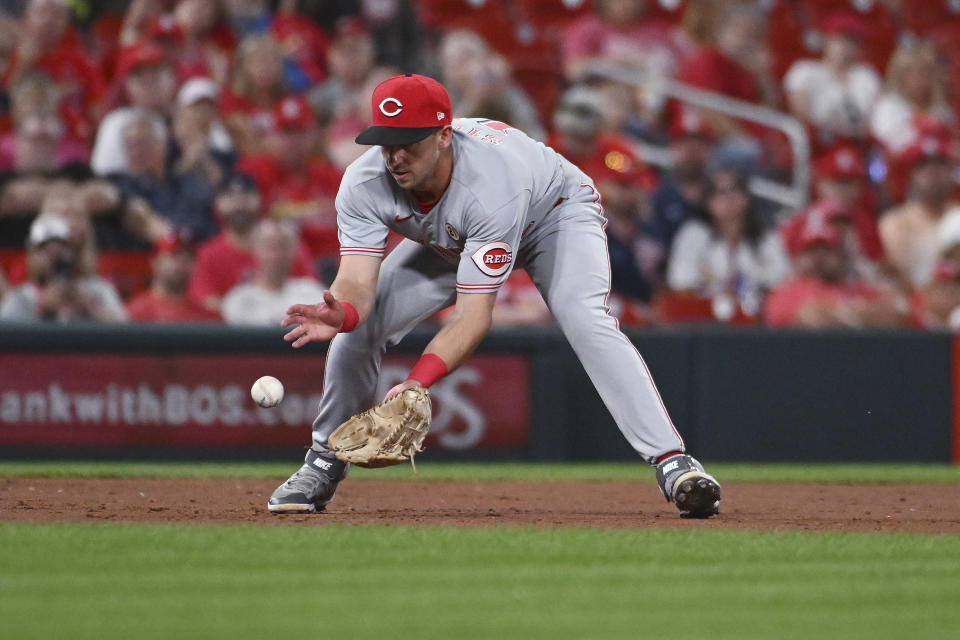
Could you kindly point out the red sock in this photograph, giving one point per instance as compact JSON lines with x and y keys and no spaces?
{"x":667,"y":455}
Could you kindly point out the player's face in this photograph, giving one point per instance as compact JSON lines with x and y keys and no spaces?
{"x":413,"y":166}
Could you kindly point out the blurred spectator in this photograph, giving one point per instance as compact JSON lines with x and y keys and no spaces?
{"x":168,"y":197}
{"x":208,"y":41}
{"x":61,"y":286}
{"x":257,"y":87}
{"x":197,"y":100}
{"x":295,"y":181}
{"x":909,"y":231}
{"x":698,"y":21}
{"x":342,"y":131}
{"x":143,"y":15}
{"x":342,"y":101}
{"x":619,"y":33}
{"x":303,"y":43}
{"x":836,"y":92}
{"x":227,"y":259}
{"x":264,"y":300}
{"x":623,"y":183}
{"x":397,"y":31}
{"x":200,"y":144}
{"x":916,"y":99}
{"x":46,"y":43}
{"x":478,"y":80}
{"x":33,"y":99}
{"x":167,"y":300}
{"x":729,"y":254}
{"x":153,"y":22}
{"x":349,"y":62}
{"x":164,"y":32}
{"x":38,"y":146}
{"x":682,"y":192}
{"x":736,"y":63}
{"x":38,"y":159}
{"x":824,"y":292}
{"x":9,"y":32}
{"x":248,"y":17}
{"x":937,"y":305}
{"x":840,"y":176}
{"x":149,"y":84}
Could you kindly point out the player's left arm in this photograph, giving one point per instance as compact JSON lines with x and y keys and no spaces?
{"x":470,"y":321}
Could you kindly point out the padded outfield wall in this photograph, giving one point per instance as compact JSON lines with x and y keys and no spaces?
{"x":146,"y":392}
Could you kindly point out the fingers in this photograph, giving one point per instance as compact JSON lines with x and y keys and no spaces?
{"x":299,"y":310}
{"x":330,"y":300}
{"x":295,"y":333}
{"x":400,"y":388}
{"x":292,"y":319}
{"x":304,"y":339}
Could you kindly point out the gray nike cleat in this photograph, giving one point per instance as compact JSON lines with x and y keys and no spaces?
{"x":311,"y":488}
{"x":684,"y":483}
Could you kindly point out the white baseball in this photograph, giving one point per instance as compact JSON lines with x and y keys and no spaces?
{"x":267,"y":391}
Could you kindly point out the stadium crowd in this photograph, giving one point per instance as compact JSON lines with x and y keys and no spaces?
{"x":177,"y":160}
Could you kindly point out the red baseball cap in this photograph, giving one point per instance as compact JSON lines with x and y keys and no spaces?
{"x":293,"y":112}
{"x":165,"y":28}
{"x":351,"y":26}
{"x":844,"y":23}
{"x":842,"y":163}
{"x":812,"y":227}
{"x":138,"y":55}
{"x":406,"y":109}
{"x":927,"y":148}
{"x":173,"y":242}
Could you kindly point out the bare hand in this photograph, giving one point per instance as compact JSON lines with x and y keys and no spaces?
{"x":315,"y":322}
{"x":400,"y":388}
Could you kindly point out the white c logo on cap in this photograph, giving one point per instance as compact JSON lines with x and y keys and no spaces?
{"x":395,"y":112}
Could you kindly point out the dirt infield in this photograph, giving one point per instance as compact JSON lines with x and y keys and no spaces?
{"x":933,"y":509}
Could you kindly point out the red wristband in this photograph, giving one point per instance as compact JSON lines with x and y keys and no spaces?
{"x":351,"y":318}
{"x":429,"y":368}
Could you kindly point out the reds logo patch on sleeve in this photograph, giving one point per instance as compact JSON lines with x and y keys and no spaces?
{"x":493,"y":258}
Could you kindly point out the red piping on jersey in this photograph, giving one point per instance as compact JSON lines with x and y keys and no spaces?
{"x":363,"y":249}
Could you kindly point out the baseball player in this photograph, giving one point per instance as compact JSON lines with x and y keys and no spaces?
{"x":474,"y":199}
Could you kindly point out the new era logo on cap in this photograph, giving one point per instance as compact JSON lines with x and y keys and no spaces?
{"x":406,"y":109}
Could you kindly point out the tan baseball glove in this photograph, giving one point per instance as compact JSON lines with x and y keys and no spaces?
{"x":390,"y":433}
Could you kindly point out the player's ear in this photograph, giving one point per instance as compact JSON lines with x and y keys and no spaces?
{"x":446,"y":136}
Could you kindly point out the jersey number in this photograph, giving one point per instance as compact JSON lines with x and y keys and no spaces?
{"x":497,"y":126}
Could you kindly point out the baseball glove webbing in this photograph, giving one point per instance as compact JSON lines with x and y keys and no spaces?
{"x":390,"y":433}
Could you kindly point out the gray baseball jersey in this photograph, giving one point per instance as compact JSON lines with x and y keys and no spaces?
{"x":503,"y":183}
{"x":512,"y":201}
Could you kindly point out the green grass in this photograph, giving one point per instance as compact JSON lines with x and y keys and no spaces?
{"x":546,"y":472}
{"x":354,"y":582}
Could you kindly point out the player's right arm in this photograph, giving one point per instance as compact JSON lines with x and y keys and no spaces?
{"x":355,"y":284}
